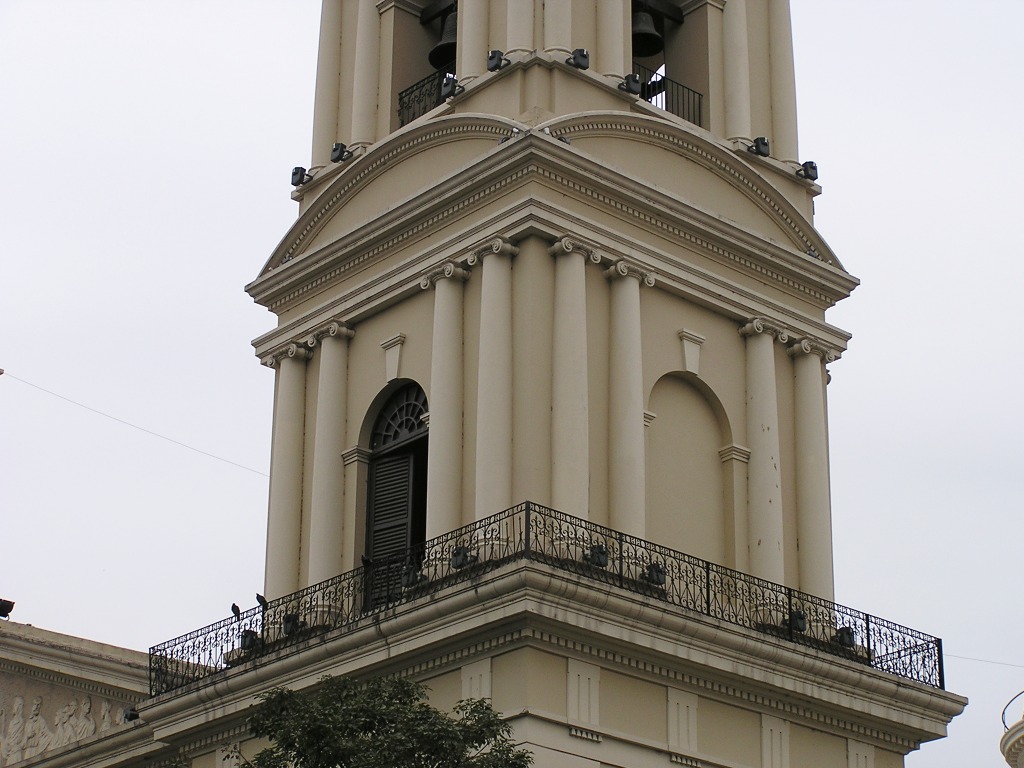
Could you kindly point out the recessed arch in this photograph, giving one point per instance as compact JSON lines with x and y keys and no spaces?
{"x":686,"y":507}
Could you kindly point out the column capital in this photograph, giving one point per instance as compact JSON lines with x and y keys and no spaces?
{"x":569,"y":244}
{"x":449,"y":270}
{"x":291,"y":349}
{"x":811,"y":346}
{"x":758,"y":325}
{"x":623,"y":268}
{"x":496,"y":245}
{"x":333,"y":328}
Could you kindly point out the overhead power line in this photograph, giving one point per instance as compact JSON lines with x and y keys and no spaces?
{"x":133,"y":426}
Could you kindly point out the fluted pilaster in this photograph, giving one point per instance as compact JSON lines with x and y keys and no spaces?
{"x":444,"y":461}
{"x":494,"y":379}
{"x":783,"y":81}
{"x":570,"y":410}
{"x":813,"y":498}
{"x":284,"y":520}
{"x":328,"y":68}
{"x":364,"y":101}
{"x":326,"y":519}
{"x":764,"y":479}
{"x":627,"y":478}
{"x":737,"y":70}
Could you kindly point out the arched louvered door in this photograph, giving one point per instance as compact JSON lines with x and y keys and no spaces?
{"x":396,"y":514}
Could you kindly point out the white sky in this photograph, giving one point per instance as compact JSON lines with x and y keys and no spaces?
{"x":145,"y":150}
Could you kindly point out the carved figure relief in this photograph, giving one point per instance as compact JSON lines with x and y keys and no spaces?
{"x":22,"y":738}
{"x":14,"y":743}
{"x":86,"y":726}
{"x":37,"y":732}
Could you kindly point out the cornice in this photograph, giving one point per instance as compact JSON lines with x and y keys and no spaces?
{"x":528,"y":603}
{"x":541,"y":156}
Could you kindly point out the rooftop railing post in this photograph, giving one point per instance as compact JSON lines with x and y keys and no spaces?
{"x":621,"y":556}
{"x":942,"y":670}
{"x":789,"y":612}
{"x":867,"y":633}
{"x":526,"y":530}
{"x":707,"y":587}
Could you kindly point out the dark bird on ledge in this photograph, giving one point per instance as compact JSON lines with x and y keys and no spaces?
{"x":262,"y":601}
{"x":236,"y":610}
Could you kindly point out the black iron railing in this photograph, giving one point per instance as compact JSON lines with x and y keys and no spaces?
{"x":669,"y":95}
{"x":422,"y":97}
{"x":566,"y":543}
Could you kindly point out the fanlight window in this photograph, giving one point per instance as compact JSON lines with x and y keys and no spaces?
{"x":401,"y":418}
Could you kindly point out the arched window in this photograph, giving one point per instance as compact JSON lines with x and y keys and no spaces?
{"x":396,"y":512}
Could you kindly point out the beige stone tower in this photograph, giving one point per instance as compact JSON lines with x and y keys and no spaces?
{"x":550,"y":419}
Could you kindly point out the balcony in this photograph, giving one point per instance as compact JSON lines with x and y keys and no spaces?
{"x":418,"y":99}
{"x":592,"y":553}
{"x":669,"y":95}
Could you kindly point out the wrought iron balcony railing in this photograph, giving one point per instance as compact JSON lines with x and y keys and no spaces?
{"x":669,"y":95}
{"x":591,"y":552}
{"x":422,"y":97}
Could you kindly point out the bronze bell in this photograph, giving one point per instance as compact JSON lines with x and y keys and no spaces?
{"x":444,"y":52}
{"x":646,"y":40}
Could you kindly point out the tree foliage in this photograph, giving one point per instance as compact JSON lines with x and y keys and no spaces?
{"x":381,"y":723}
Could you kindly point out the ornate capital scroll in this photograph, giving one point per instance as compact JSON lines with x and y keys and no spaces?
{"x":291,"y":349}
{"x":448,"y":270}
{"x":333,"y":328}
{"x":623,"y":268}
{"x":811,"y":346}
{"x":568,"y":244}
{"x":758,"y":325}
{"x":497,"y":245}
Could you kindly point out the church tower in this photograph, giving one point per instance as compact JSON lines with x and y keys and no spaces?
{"x":550,"y":407}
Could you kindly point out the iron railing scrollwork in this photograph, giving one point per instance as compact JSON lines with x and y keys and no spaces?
{"x":421,"y":97}
{"x":568,"y":544}
{"x":669,"y":95}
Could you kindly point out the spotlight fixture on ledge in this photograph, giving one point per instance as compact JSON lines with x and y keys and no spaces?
{"x":461,"y":557}
{"x":496,"y":60}
{"x":580,"y":58}
{"x":340,"y":153}
{"x":655,"y":574}
{"x":845,"y":637}
{"x":6,"y":606}
{"x":450,"y":87}
{"x":808,"y":170}
{"x":300,"y":176}
{"x":630,"y":84}
{"x":760,"y":147}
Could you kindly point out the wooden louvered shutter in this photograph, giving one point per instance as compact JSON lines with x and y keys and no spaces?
{"x":391,"y":505}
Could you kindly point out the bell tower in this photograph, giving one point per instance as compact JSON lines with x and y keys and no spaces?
{"x":550,"y":408}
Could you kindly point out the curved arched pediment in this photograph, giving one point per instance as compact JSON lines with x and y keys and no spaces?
{"x":688,"y":167}
{"x":398,"y":169}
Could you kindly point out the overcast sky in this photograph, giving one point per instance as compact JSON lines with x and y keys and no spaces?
{"x":145,"y":150}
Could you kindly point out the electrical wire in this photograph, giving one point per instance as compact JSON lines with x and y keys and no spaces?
{"x":983,"y":661}
{"x":133,"y":426}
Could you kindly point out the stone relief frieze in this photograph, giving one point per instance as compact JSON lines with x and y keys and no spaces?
{"x":24,"y":736}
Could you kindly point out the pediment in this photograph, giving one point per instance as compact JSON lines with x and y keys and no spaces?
{"x":406,"y":166}
{"x":699,"y":173}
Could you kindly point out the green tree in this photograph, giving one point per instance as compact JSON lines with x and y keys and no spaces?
{"x":381,"y":723}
